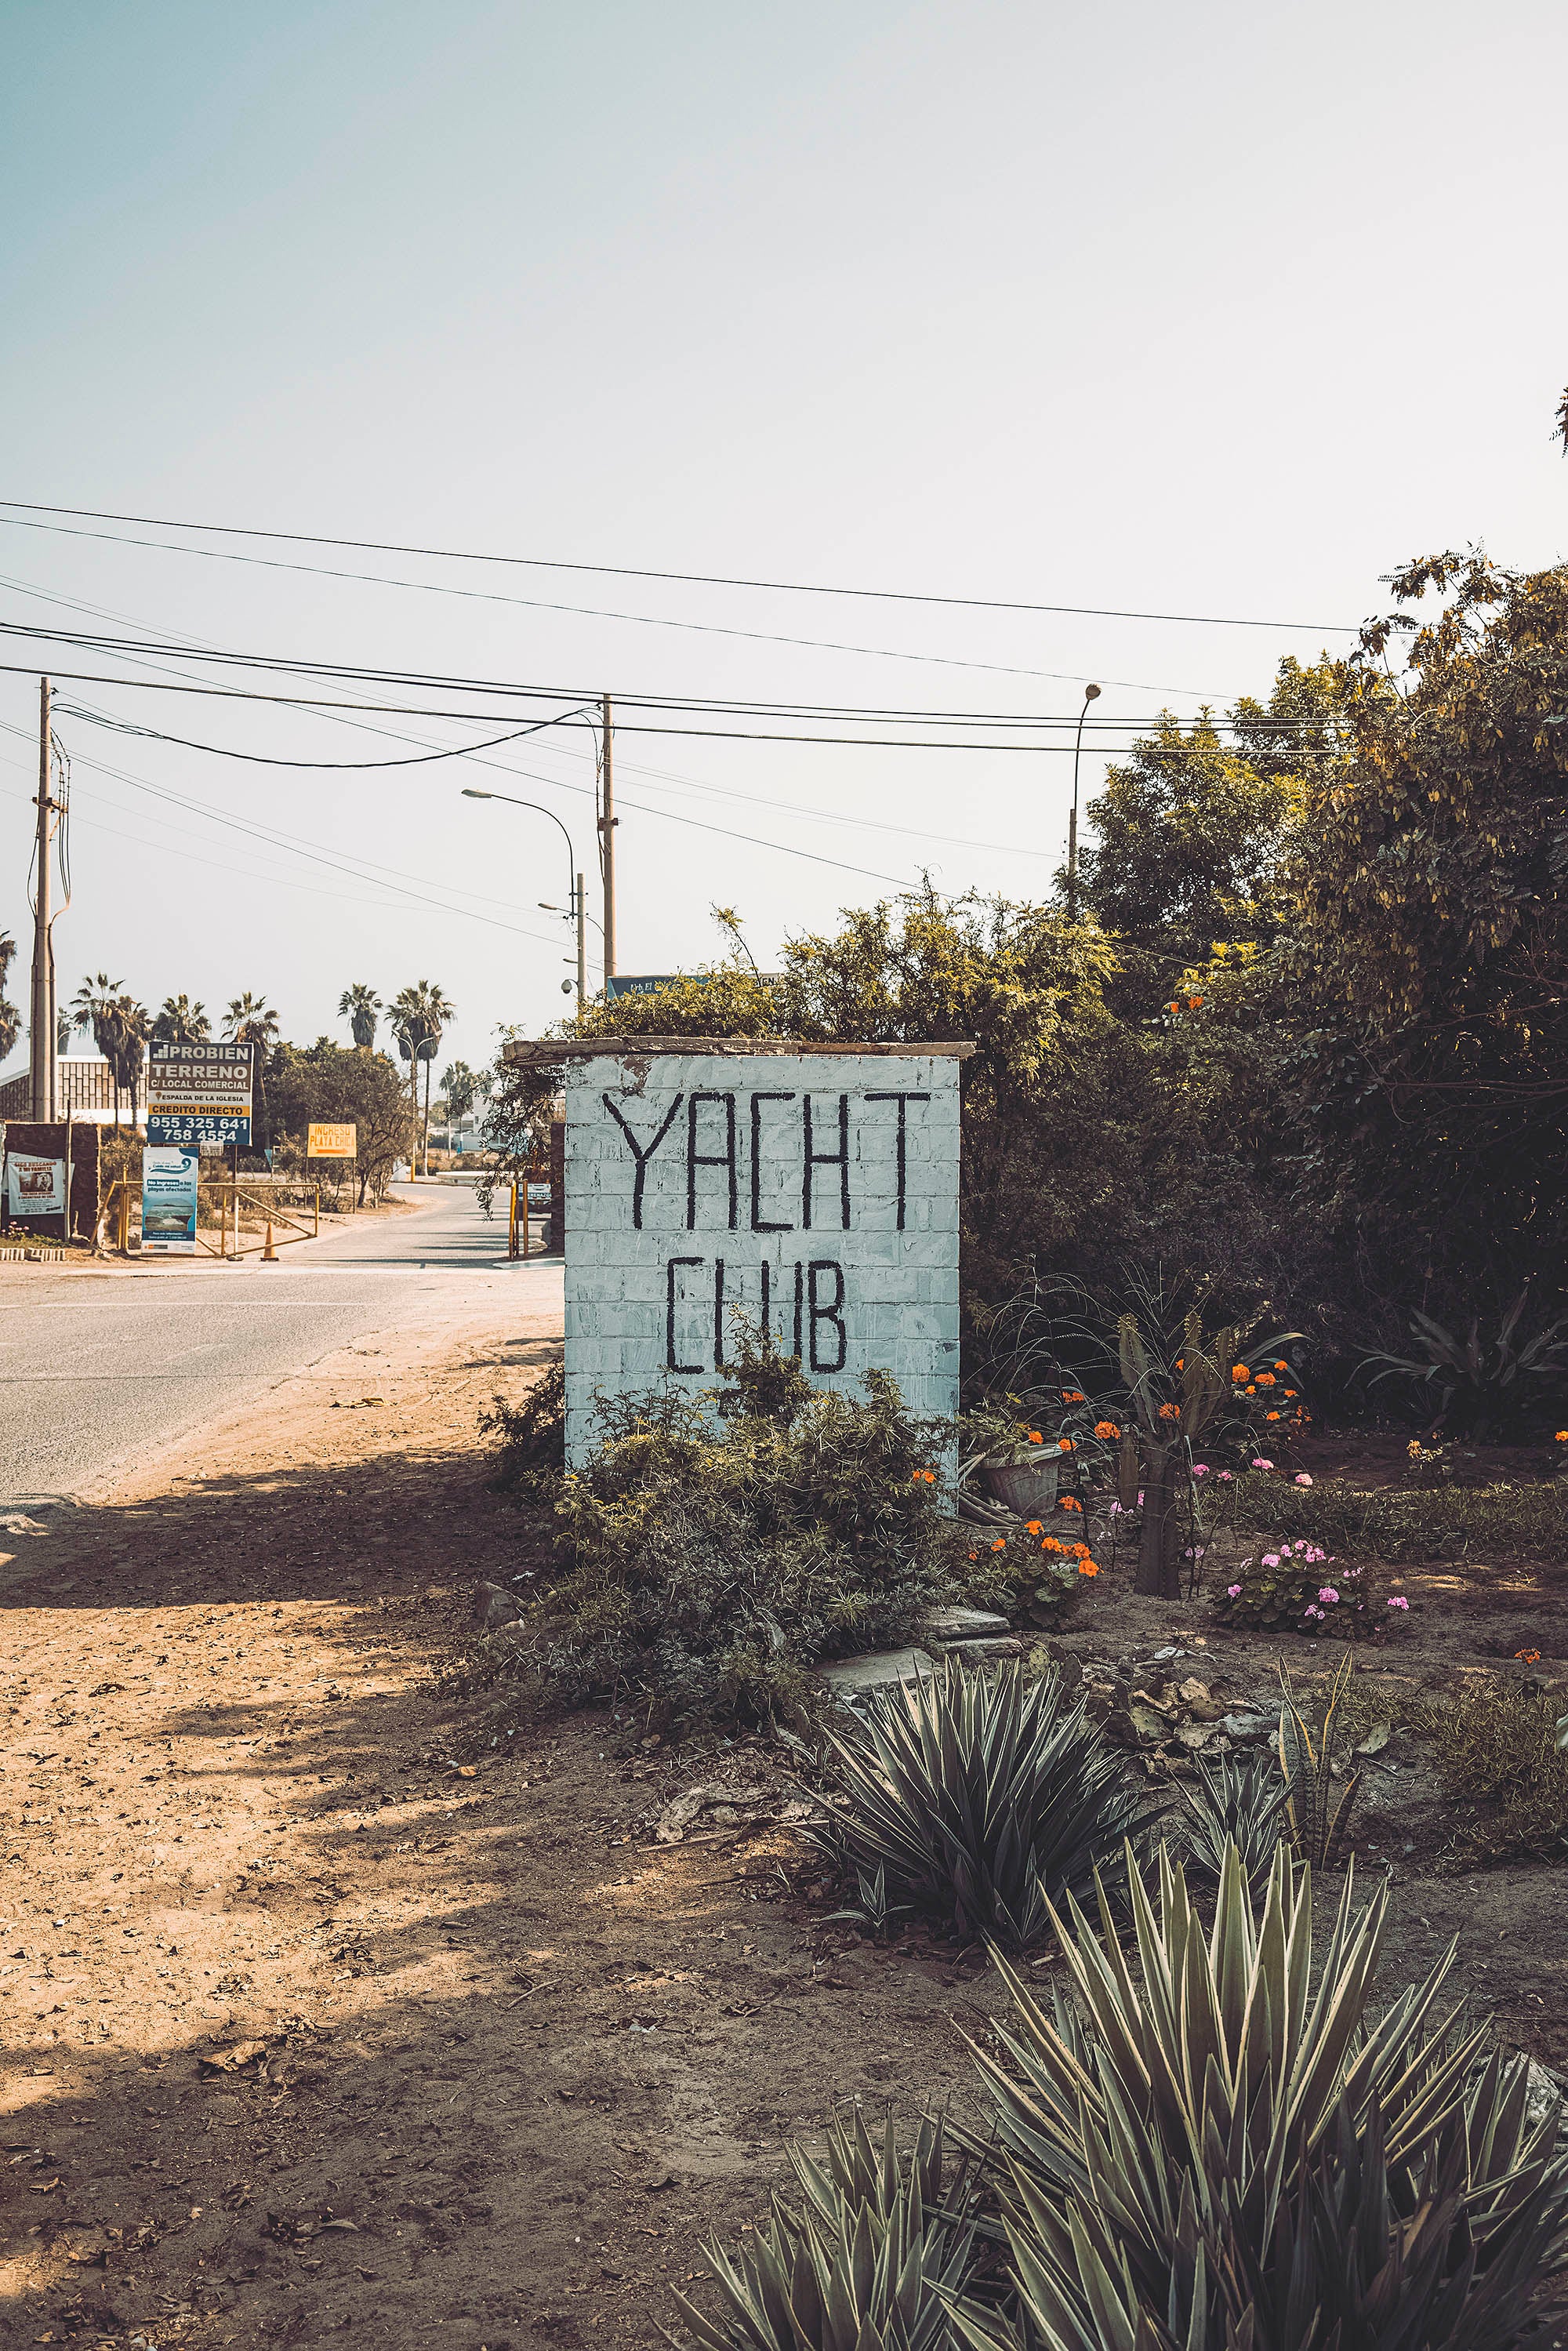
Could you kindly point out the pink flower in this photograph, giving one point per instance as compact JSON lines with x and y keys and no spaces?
{"x":1328,"y":1592}
{"x":1302,"y":1479}
{"x":1310,"y":1611}
{"x":1140,"y":1498}
{"x":1200,"y":1469}
{"x":1398,"y":1601}
{"x":1271,"y":1559}
{"x":1232,"y":1590}
{"x":1115,"y":1509}
{"x":1228,"y":1476}
{"x":1262,"y":1465}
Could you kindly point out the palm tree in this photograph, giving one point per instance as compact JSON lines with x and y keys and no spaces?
{"x":358,"y":1006}
{"x":460,"y":1086}
{"x":10,"y":1019}
{"x":124,"y":1048}
{"x":251,"y":1021}
{"x":93,"y":1007}
{"x":181,"y":1023}
{"x":420,"y":1014}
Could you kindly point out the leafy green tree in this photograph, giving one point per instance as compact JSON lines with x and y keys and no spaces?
{"x":94,"y":1006}
{"x":1432,"y":961}
{"x":342,"y":1085}
{"x":181,"y":1023}
{"x":1195,"y":830}
{"x":360,"y":1005}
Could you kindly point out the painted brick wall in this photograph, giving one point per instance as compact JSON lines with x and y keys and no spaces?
{"x":689,"y":1193}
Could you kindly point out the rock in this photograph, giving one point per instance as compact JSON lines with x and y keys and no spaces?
{"x":1164,"y":1657}
{"x":1542,"y":2096}
{"x":950,"y":1625}
{"x":859,"y":1677}
{"x":1250,"y":1726}
{"x":986,"y":1653}
{"x":493,"y":1607}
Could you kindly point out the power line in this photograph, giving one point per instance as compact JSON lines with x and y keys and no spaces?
{"x":688,"y":579}
{"x":266,"y":759}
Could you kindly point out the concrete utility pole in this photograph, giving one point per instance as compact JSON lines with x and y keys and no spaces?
{"x":607,"y":846}
{"x":580,"y":908}
{"x":43,"y":1057}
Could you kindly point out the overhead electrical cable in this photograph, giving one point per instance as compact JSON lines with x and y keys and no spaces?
{"x":688,"y":579}
{"x":268,"y":759}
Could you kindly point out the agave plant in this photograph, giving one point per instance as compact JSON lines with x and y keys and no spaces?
{"x":973,"y":1796}
{"x":1477,"y":1384}
{"x":1216,"y":2148}
{"x":869,"y":2260}
{"x":1235,"y":1802}
{"x":1317,"y":1822}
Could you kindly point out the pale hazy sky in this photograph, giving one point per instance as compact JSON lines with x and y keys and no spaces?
{"x":1211,"y":309}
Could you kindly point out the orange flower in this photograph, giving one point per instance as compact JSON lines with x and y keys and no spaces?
{"x":1034,"y":1526}
{"x":1181,"y":1363}
{"x":1066,"y":1503}
{"x":1074,"y":1395}
{"x":1194,"y":1003}
{"x":1065,"y":1444}
{"x":1079,"y":1551}
{"x":1173,"y":1008}
{"x":1290,"y":1392}
{"x":1528,"y":1657}
{"x":1267,"y":1380}
{"x":1270,"y":1416}
{"x":1000,"y":1544}
{"x":1239,"y":1371}
{"x":1106,"y":1428}
{"x":1088,"y":1567}
{"x":974,"y":1554}
{"x":1035,"y":1437}
{"x":1051,"y":1543}
{"x":1170,"y":1412}
{"x":1281,"y":1367}
{"x":1561,"y":1437}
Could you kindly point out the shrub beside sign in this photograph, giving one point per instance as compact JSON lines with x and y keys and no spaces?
{"x":816,"y":1195}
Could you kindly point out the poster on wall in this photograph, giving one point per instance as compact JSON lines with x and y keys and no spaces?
{"x":169,"y":1191}
{"x":35,"y":1186}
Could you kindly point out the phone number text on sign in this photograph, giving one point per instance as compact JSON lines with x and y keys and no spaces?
{"x":814,"y":1195}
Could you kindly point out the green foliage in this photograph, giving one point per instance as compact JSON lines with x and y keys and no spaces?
{"x":1296,"y":1587}
{"x":975,"y":1797}
{"x":1400,"y":1525}
{"x":865,"y":2261}
{"x":1481,"y":1390}
{"x":1212,"y":2146}
{"x":530,"y":1437}
{"x":340,"y":1084}
{"x":708,"y":1563}
{"x":181,"y":1023}
{"x":1498,"y":1748}
{"x":1316,"y":1817}
{"x":1236,"y":1801}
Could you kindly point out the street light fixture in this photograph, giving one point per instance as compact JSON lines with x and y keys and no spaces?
{"x":576,"y":888}
{"x":1091,"y":694}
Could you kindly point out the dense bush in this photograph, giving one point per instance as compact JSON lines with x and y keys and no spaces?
{"x":1212,"y":2145}
{"x":1296,"y":1587}
{"x":531,"y":1436}
{"x":976,"y":1798}
{"x":706,"y":1561}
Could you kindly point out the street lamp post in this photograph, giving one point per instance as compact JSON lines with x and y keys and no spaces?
{"x":575,"y":890}
{"x":1091,"y":694}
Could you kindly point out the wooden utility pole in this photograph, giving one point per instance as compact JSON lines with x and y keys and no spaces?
{"x":607,"y":843}
{"x":43,"y":1061}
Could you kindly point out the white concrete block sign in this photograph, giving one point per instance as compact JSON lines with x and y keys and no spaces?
{"x":818,"y":1193}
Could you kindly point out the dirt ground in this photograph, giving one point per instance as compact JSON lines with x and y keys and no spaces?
{"x":316,"y":2031}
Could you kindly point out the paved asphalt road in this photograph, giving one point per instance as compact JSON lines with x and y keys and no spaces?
{"x":96,"y":1370}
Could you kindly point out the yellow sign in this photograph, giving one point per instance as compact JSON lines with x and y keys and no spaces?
{"x":332,"y":1142}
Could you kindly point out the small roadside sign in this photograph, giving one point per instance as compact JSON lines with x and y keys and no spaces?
{"x":170,"y":1182}
{"x":331,"y":1142}
{"x":199,"y":1094}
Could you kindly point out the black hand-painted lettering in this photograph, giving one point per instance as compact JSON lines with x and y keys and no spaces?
{"x":766,"y":1295}
{"x":695,"y":1158}
{"x":799,"y":1297}
{"x":902,"y":1140}
{"x":671,"y":1292}
{"x":641,"y":1155}
{"x":830,"y":1313}
{"x":718,"y":1314}
{"x":839,"y":1159}
{"x":757,"y":1223}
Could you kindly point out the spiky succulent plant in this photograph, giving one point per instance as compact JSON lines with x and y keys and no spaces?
{"x":1234,"y":1801}
{"x":1213,"y":2148}
{"x":978,"y":1794}
{"x":868,"y":2260}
